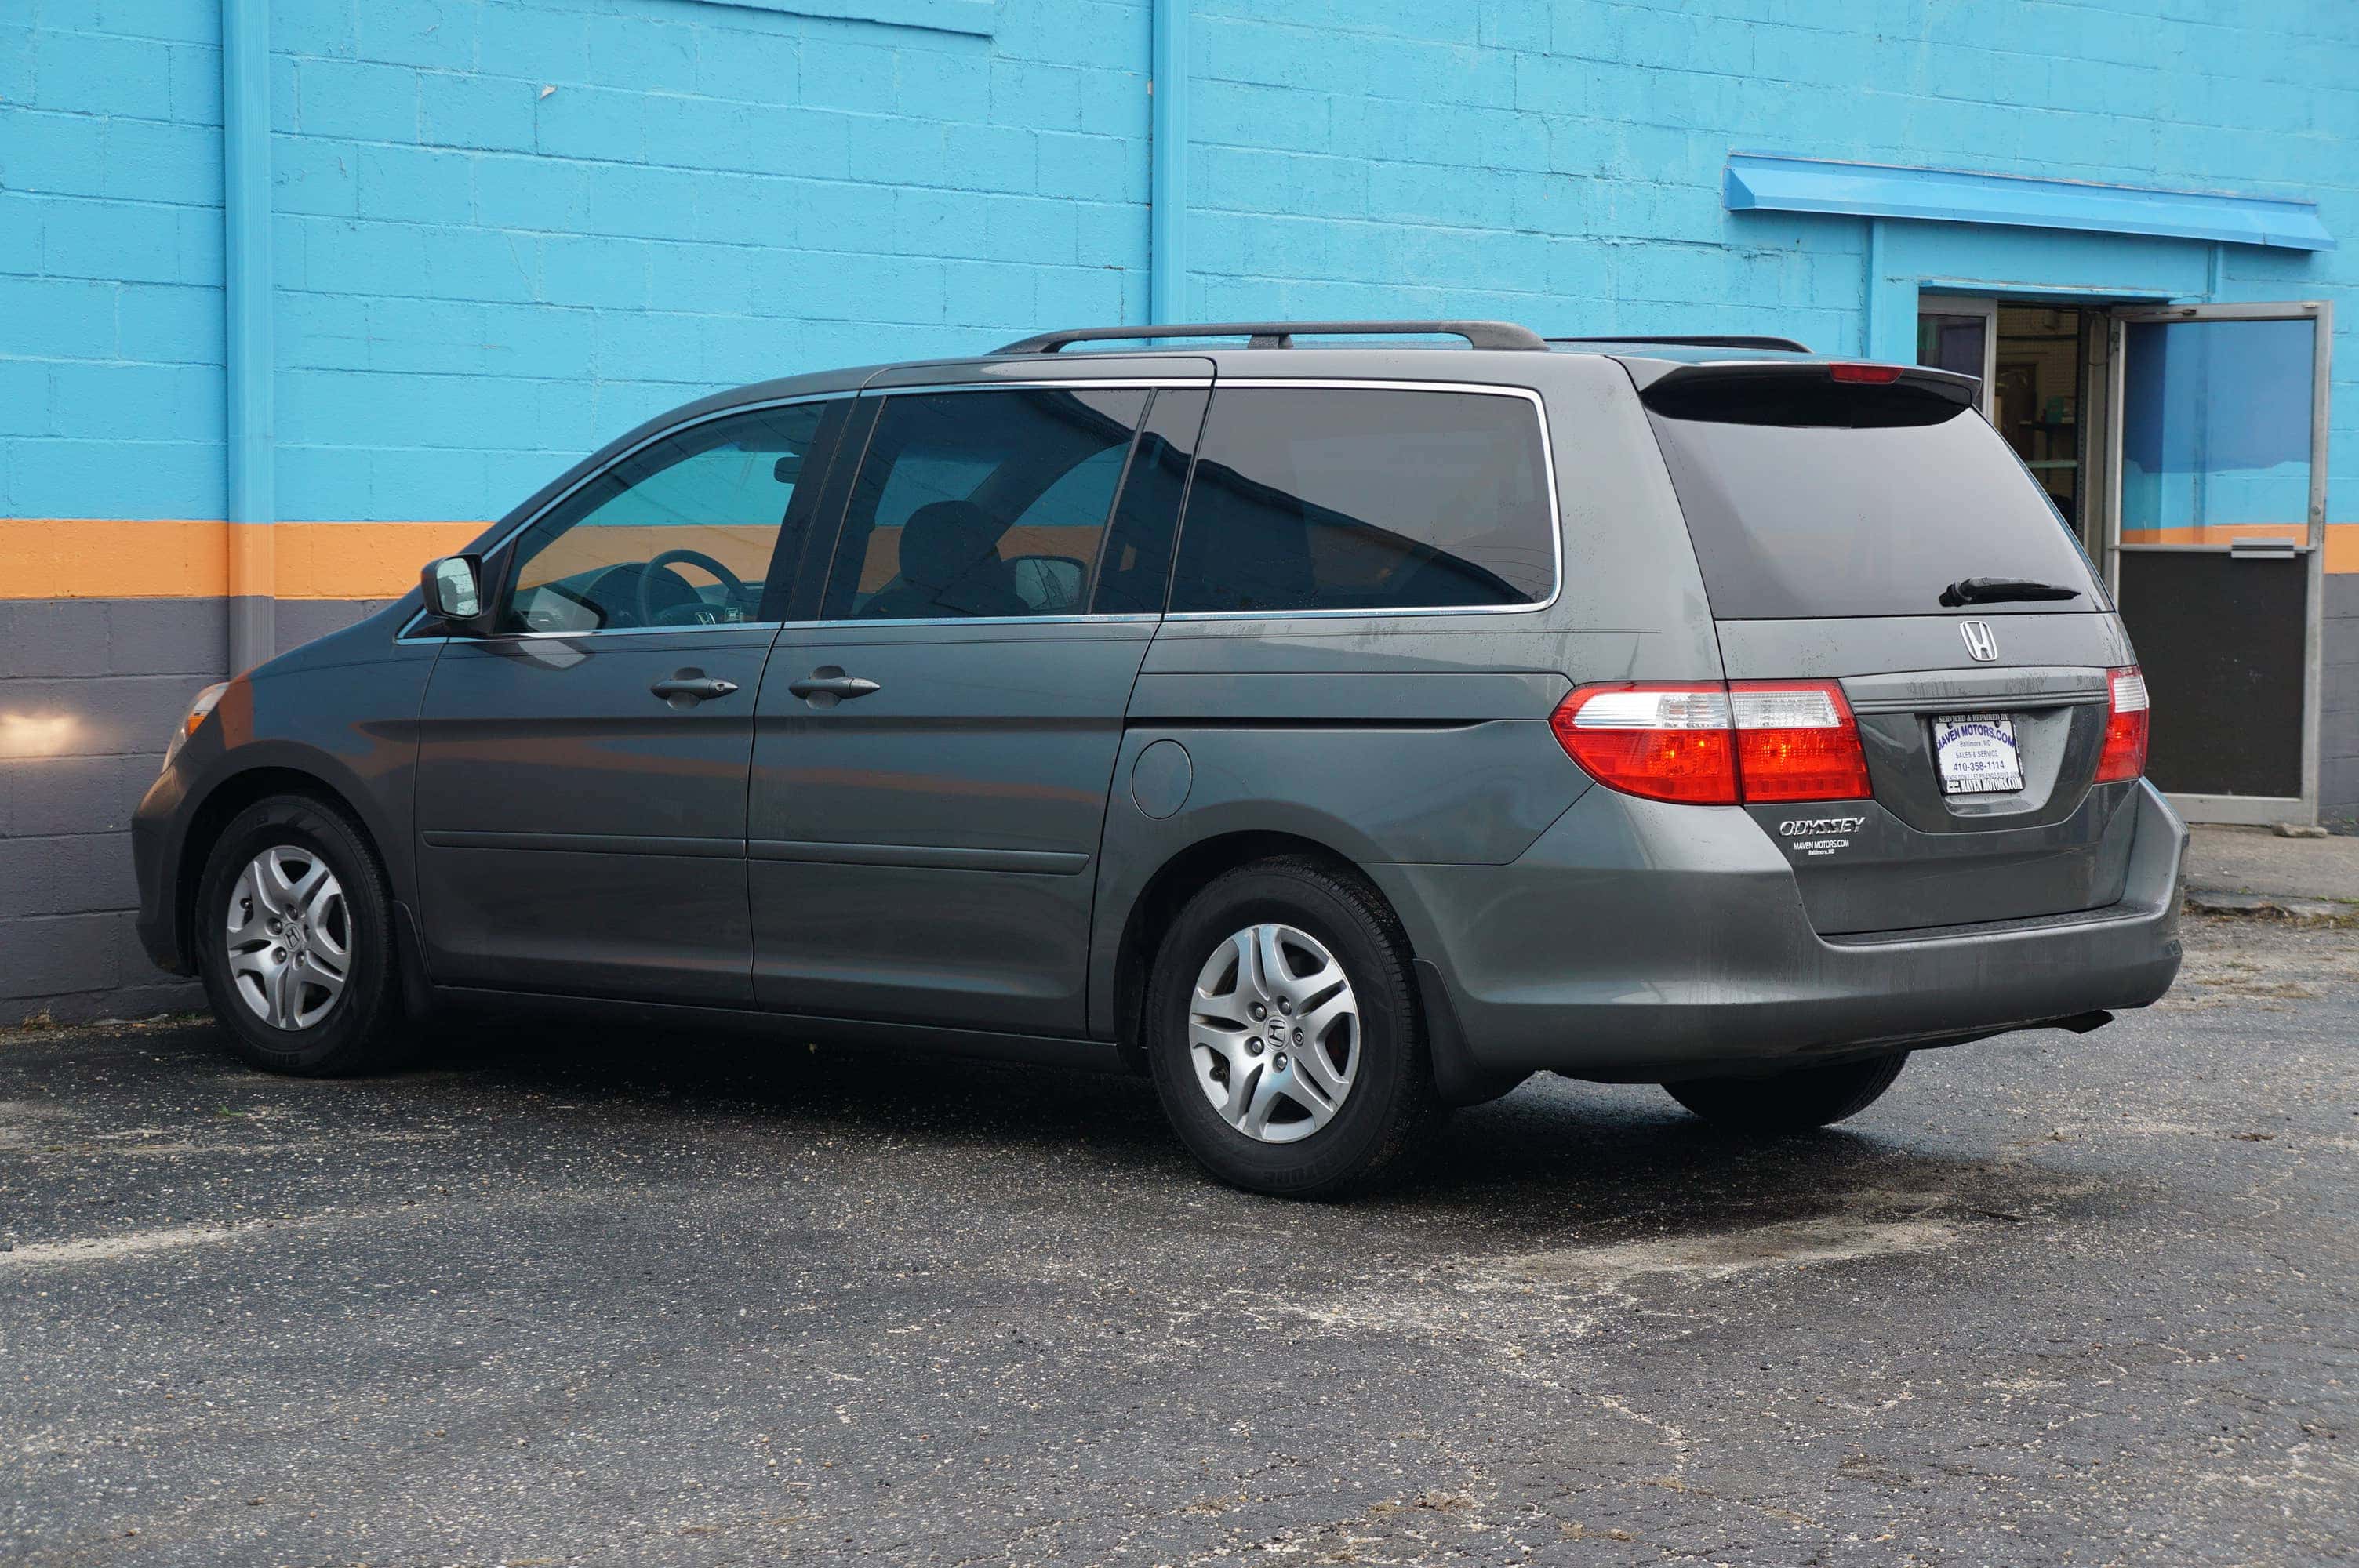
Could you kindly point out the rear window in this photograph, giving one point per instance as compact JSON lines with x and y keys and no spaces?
{"x":1809,"y":500}
{"x":1365,"y":498}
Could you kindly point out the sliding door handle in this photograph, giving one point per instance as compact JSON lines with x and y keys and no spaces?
{"x":828,"y":685}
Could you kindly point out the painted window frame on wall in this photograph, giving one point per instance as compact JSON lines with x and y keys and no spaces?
{"x":976,"y":18}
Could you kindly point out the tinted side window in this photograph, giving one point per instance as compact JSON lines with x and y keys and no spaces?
{"x":681,"y":533}
{"x":1137,"y":558}
{"x":1349,"y":498}
{"x":983,"y":504}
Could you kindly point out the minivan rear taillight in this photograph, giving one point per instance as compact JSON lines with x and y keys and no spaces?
{"x":1665,"y":741}
{"x":1797,"y":740}
{"x":1714,"y":743}
{"x":2125,"y":727}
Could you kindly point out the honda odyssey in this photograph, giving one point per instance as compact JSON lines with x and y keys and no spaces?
{"x":1334,"y":733}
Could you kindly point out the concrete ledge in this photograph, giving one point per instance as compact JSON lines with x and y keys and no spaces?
{"x":2265,"y":906}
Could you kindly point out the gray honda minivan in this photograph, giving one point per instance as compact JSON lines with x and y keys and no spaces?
{"x":1335,"y":733}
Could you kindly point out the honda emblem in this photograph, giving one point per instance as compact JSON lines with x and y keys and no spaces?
{"x":1980,"y":642}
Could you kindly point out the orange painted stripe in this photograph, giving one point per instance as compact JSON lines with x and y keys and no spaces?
{"x":2342,"y":538}
{"x":92,"y":557}
{"x":361,"y":560}
{"x":72,"y":557}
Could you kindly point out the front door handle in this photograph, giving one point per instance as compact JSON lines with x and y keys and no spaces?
{"x":828,"y":685}
{"x":688,"y":688}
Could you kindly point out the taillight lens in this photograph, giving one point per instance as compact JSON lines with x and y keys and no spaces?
{"x":1860,"y":375}
{"x":2125,"y":727}
{"x":1715,"y":744}
{"x":1797,"y":740}
{"x":1661,"y":741}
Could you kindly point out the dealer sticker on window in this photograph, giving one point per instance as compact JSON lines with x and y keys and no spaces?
{"x":1977,"y":753}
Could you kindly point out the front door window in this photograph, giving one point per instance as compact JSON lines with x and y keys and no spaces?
{"x":681,"y":533}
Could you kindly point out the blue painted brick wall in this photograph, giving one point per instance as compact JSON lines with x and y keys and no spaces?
{"x":508,"y":231}
{"x":110,"y":260}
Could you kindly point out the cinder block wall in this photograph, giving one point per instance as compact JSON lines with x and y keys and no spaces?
{"x":507,"y":230}
{"x":110,"y":408}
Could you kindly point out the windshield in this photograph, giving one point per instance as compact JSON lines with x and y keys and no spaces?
{"x":1871,"y":503}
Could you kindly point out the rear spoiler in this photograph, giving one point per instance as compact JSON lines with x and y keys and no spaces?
{"x":1819,"y":392}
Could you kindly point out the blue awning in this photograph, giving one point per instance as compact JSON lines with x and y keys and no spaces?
{"x":1758,"y":183}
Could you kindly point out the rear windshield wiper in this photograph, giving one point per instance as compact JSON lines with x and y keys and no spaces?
{"x":2002,"y":591}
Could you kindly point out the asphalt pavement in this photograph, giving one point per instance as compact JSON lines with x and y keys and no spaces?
{"x":557,"y":1299}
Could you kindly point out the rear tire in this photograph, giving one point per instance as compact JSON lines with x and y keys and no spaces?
{"x":294,"y":941}
{"x":1283,"y":1034}
{"x":1794,"y":1101}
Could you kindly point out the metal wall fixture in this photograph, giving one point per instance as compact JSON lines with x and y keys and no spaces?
{"x":1167,"y":218}
{"x":249,"y":360}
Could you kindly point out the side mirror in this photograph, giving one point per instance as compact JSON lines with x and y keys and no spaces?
{"x":454,"y":586}
{"x":1049,"y":585}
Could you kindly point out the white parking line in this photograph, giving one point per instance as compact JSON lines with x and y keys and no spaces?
{"x":105,"y":1248}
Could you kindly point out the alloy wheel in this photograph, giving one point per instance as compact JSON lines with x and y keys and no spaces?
{"x":289,"y":936}
{"x":1274,"y":1032}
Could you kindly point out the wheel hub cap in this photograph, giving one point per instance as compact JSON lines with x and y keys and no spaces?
{"x":1273,"y":1033}
{"x":288,"y":936}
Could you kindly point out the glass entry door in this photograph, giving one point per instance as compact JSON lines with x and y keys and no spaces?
{"x":2219,"y":502}
{"x":2042,"y":369}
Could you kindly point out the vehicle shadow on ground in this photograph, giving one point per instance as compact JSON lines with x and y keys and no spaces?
{"x":1554,"y":1157}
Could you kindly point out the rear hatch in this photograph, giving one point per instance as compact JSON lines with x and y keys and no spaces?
{"x":1865,"y":525}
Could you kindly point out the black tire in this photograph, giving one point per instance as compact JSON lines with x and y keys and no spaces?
{"x":1795,"y":1101}
{"x":1389,"y":1111}
{"x":362,"y":1030}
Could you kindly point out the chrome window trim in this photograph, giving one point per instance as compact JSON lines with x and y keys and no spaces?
{"x":698,"y":628}
{"x":1490,"y":389}
{"x":561,"y":497}
{"x":779,"y":626}
{"x":1128,"y":618}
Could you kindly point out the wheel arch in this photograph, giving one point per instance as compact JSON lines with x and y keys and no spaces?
{"x":231,"y":793}
{"x":1177,"y":879}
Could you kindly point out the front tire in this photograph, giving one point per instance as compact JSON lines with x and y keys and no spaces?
{"x":1793,"y":1101}
{"x":294,"y":939}
{"x":1283,"y":1034}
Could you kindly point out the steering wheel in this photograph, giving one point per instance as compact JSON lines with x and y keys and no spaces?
{"x":730,"y":582}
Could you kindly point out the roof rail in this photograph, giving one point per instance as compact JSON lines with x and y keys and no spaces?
{"x":1703,"y":340}
{"x":1281,"y":334}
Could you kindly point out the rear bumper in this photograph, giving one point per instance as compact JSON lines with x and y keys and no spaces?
{"x":1644,"y":942}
